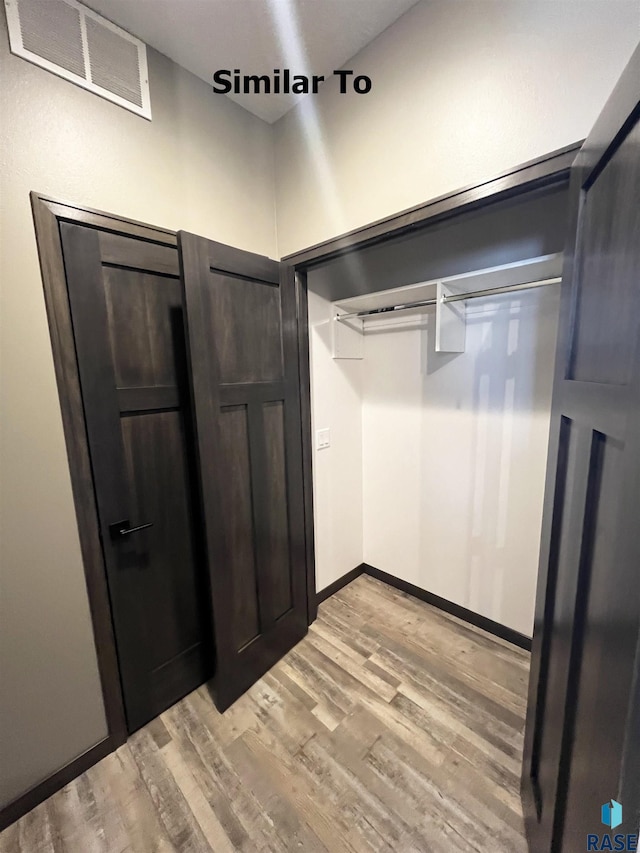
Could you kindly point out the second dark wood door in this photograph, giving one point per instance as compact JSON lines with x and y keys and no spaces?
{"x":126,"y":307}
{"x":242,"y":339}
{"x":583,"y":734}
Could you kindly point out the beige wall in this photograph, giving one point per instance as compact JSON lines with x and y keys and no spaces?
{"x":202,"y":164}
{"x":461,"y":91}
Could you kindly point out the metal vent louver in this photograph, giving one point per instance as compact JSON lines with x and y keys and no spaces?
{"x":76,"y":43}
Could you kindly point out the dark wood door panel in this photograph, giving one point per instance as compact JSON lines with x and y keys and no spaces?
{"x":149,"y":398}
{"x":607,"y":350}
{"x":277,"y":567}
{"x":158,"y":470}
{"x":242,"y":339}
{"x":568,"y":557}
{"x":145,"y":327}
{"x":144,"y":255}
{"x":239,"y":312}
{"x":607,"y":305}
{"x":582,"y":717}
{"x":126,"y":307}
{"x":238,"y":524}
{"x":606,"y":637}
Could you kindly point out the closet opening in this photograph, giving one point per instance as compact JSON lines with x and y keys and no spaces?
{"x":430,"y":410}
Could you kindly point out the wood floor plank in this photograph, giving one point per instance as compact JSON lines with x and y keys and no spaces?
{"x":440,"y":635}
{"x":262,"y":776}
{"x":118,"y":782}
{"x":454,"y":687}
{"x":66,"y":829}
{"x":301,"y":794}
{"x":425,"y":716}
{"x":470,"y":722}
{"x":452,"y":624}
{"x":360,"y":805}
{"x":101,"y":830}
{"x":434,"y":741}
{"x":332,"y":703}
{"x":221,"y":778}
{"x":173,"y":809}
{"x":428,"y":655}
{"x":446,"y":792}
{"x":379,"y":795}
{"x":32,"y":833}
{"x":224,"y":727}
{"x":294,"y":689}
{"x":303,"y":782}
{"x":346,"y":623}
{"x":282,"y":712}
{"x":352,"y":663}
{"x":391,"y":727}
{"x":206,"y":781}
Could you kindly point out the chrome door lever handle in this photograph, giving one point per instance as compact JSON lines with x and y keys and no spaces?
{"x":121,"y":528}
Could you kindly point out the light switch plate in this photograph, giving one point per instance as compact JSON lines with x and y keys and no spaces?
{"x":323,"y":439}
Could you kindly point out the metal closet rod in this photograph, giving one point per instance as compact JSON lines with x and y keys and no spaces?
{"x":454,"y":297}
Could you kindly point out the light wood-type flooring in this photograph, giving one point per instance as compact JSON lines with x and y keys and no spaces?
{"x":391,"y":727}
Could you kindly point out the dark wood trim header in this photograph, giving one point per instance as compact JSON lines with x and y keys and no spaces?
{"x":89,"y":216}
{"x":544,"y":171}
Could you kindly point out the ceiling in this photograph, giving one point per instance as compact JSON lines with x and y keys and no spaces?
{"x":256,"y":36}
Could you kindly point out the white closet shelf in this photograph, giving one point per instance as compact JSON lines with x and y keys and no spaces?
{"x":448,"y":295}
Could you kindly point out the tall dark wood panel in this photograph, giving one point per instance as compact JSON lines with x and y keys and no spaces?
{"x":582,"y":724}
{"x":243,"y":345}
{"x":126,"y":308}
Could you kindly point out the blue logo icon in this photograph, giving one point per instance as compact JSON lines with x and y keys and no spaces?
{"x":611,"y":814}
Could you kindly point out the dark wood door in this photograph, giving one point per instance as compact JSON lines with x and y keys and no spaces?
{"x":242,"y":340}
{"x":582,"y":723}
{"x":126,"y":308}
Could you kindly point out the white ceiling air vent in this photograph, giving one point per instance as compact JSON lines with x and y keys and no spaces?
{"x":65,"y":37}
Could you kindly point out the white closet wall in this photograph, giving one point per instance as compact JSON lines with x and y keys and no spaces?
{"x":435,"y":472}
{"x":454,"y":453}
{"x":336,"y":397}
{"x":436,"y":468}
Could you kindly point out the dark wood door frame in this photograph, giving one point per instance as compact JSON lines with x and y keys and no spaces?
{"x":550,"y":170}
{"x":48,"y":214}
